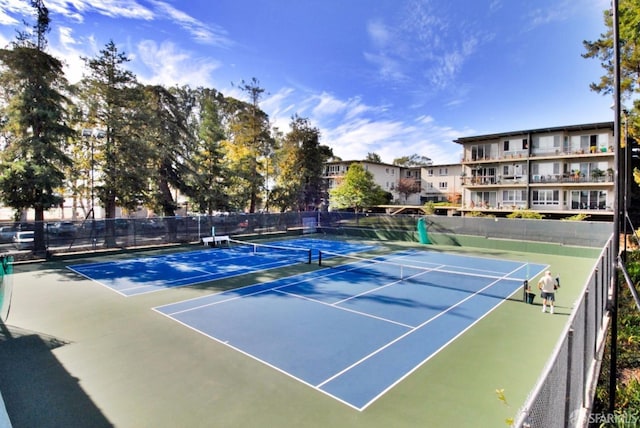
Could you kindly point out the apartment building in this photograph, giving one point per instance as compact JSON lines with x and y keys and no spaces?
{"x":441,"y":183}
{"x":408,"y":185}
{"x":567,"y":169}
{"x":385,"y":175}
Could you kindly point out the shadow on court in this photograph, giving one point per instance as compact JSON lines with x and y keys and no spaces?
{"x":36,"y":388}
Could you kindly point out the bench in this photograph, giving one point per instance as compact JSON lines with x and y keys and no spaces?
{"x":215,"y":240}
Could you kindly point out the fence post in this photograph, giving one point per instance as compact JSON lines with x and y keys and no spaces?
{"x":567,"y":400}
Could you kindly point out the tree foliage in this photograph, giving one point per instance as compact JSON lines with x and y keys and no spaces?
{"x":407,"y":187}
{"x":357,"y":190}
{"x":248,"y":146}
{"x":373,"y":157}
{"x":301,"y":158}
{"x":35,"y":125}
{"x":115,"y":103}
{"x":208,"y":181}
{"x":413,"y":160}
{"x":629,"y":44}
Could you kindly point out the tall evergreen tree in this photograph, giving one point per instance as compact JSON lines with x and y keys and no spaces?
{"x":34,"y":118}
{"x":629,"y":43}
{"x":208,"y":180}
{"x":116,"y":105}
{"x":169,"y":139}
{"x":301,"y":163}
{"x":249,"y":146}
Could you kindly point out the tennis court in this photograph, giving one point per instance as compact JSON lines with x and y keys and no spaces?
{"x":357,"y":327}
{"x":148,"y":274}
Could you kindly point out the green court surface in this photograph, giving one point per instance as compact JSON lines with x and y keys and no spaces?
{"x":74,"y":353}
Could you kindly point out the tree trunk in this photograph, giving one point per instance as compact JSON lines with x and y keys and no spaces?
{"x":39,"y":242}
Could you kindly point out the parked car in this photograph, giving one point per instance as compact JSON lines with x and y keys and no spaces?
{"x":23,"y":240}
{"x":151,"y":224}
{"x":7,"y":233}
{"x":62,"y":228}
{"x":25,"y":226}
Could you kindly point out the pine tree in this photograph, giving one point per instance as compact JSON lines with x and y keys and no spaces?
{"x":34,"y":120}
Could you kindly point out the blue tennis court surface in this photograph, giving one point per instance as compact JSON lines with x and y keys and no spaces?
{"x":355,"y":331}
{"x":148,"y":274}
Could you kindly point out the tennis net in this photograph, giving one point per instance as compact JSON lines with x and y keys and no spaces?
{"x":270,"y":250}
{"x":377,"y":266}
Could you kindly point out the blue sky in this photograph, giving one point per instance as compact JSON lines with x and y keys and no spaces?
{"x":393,"y":77}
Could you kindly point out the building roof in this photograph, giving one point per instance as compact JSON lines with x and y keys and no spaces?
{"x":570,"y":128}
{"x":362,"y":161}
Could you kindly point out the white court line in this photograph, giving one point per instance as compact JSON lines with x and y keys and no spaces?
{"x":332,"y":305}
{"x":382,"y":348}
{"x":384,"y":286}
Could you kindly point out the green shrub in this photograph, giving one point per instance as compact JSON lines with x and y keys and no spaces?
{"x":577,"y":217}
{"x":526,"y":214}
{"x":429,"y":208}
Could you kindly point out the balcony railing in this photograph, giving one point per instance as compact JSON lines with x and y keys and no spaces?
{"x":535,"y":179}
{"x":539,"y":153}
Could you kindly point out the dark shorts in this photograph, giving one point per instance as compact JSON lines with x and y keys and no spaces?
{"x":549,"y":296}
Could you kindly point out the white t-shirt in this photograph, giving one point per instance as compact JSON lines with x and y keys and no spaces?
{"x":548,"y":284}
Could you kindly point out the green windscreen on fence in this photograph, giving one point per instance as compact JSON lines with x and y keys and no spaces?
{"x":6,"y":282}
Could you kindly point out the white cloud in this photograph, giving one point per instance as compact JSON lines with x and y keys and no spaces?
{"x":9,"y":7}
{"x":424,"y":45}
{"x":379,"y":34}
{"x":74,"y":9}
{"x":353,"y":129}
{"x":389,"y":69}
{"x":200,"y":31}
{"x":66,"y":37}
{"x":169,"y":66}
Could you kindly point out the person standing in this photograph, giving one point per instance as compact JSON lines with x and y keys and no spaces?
{"x":548,"y":285}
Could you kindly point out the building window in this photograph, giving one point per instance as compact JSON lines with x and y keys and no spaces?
{"x":443,"y":185}
{"x":514,"y":197}
{"x":545,"y":197}
{"x":333,"y":170}
{"x":588,"y":199}
{"x":481,"y":151}
{"x":483,"y":199}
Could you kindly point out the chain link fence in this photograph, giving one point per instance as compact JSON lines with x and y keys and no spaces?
{"x":564,"y":392}
{"x":126,"y":233}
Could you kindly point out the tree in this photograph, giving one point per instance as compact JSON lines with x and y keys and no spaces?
{"x":169,"y":138}
{"x":34,"y":119}
{"x":407,"y":187}
{"x":208,"y":180}
{"x":301,"y":159}
{"x":413,"y":160}
{"x":629,"y":43}
{"x":357,"y":190}
{"x":249,"y":146}
{"x":602,"y":49}
{"x":373,"y":157}
{"x":115,"y":103}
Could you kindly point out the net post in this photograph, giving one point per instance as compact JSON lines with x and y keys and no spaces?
{"x":310,"y":257}
{"x":319,"y":257}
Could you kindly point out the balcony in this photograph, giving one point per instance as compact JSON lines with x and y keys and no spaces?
{"x":539,"y":154}
{"x":537,"y":179}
